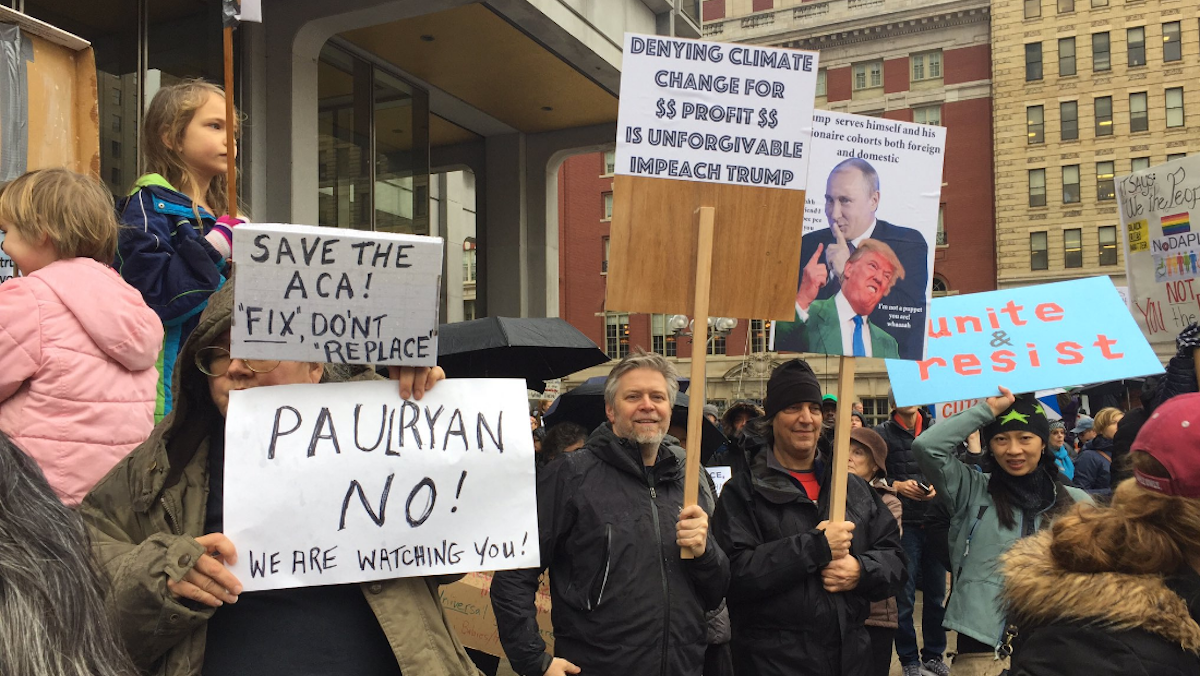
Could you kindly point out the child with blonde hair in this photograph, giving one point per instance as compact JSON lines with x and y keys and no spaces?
{"x":77,"y":344}
{"x":179,"y":239}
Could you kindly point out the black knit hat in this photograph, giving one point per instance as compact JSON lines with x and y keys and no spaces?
{"x":1026,"y":413}
{"x":792,"y":383}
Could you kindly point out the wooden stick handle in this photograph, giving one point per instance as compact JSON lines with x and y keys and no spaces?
{"x":1196,"y":364}
{"x":704,"y":250}
{"x":230,"y":136}
{"x":841,"y":440}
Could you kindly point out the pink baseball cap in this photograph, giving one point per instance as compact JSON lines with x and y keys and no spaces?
{"x":1172,"y":437}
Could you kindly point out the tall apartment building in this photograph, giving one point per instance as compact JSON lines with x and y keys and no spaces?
{"x":916,"y":60}
{"x":1085,"y":91}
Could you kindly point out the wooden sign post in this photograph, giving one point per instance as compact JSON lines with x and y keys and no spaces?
{"x":230,"y":129}
{"x":841,"y":440}
{"x":711,"y":162}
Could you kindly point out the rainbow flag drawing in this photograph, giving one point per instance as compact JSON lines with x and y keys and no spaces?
{"x":1176,"y":224}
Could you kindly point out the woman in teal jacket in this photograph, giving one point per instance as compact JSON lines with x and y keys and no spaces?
{"x":989,"y":512}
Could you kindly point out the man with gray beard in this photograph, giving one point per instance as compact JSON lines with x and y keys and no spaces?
{"x":612,"y":522}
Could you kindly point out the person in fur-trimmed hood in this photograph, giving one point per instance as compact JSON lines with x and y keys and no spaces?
{"x":1117,"y":591}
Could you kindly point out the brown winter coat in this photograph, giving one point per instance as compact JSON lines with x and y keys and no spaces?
{"x":884,"y":613}
{"x":144,"y":515}
{"x":1099,"y":624}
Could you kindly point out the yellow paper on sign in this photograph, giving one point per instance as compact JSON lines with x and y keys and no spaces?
{"x":468,"y":606}
{"x":1139,"y":235}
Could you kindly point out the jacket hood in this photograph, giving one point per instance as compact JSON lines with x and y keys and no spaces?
{"x":111,"y":311}
{"x":1038,"y":592}
{"x":624,"y":455}
{"x":774,"y":485}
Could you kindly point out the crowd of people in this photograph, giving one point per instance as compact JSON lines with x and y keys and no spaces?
{"x":1065,"y":546}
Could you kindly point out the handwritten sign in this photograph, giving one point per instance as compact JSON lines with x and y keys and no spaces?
{"x":719,"y":476}
{"x":309,"y":294}
{"x":468,"y":606}
{"x":1161,"y":221}
{"x":345,"y":482}
{"x":6,"y":265}
{"x":715,"y":112}
{"x":893,"y":171}
{"x":1022,"y":339}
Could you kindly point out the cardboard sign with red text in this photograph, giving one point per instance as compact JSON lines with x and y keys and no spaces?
{"x":1026,"y":339}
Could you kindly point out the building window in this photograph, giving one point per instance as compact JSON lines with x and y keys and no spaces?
{"x":1073,"y":248}
{"x":1033,"y":61}
{"x":1039,"y":251}
{"x":116,"y":150}
{"x":116,"y":91}
{"x":1035,"y":123}
{"x":875,"y":411}
{"x":1135,"y":40}
{"x":1139,"y":119}
{"x":716,"y":344}
{"x":1104,"y":122}
{"x":604,"y":263}
{"x":1037,"y":187}
{"x":1099,"y":3}
{"x":941,"y":231}
{"x":1068,"y":113}
{"x":760,"y":330}
{"x":1175,"y":107}
{"x":1070,"y":184}
{"x":1176,"y":156}
{"x":1139,"y":163}
{"x":928,"y":115}
{"x":468,"y":310}
{"x":1172,"y":49}
{"x":1108,"y":245}
{"x":607,"y":197}
{"x":662,"y":338}
{"x":616,"y":335}
{"x":470,"y":260}
{"x":1066,"y":56}
{"x":610,"y":163}
{"x":1033,"y":9}
{"x":940,"y":288}
{"x":1100,"y":55}
{"x":821,"y":84}
{"x":868,"y":75}
{"x":1106,"y":187}
{"x":116,"y":123}
{"x":927,"y":66}
{"x":1065,"y":6}
{"x":114,"y":175}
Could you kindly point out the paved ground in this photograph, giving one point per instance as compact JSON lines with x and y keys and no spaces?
{"x":506,"y":670}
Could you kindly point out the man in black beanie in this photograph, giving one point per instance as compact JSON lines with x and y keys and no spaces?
{"x":801,"y":586}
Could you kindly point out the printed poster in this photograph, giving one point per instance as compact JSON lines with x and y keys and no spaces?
{"x":1161,"y":221}
{"x":870,"y":230}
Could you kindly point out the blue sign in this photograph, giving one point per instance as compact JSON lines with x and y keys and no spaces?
{"x":1026,"y":339}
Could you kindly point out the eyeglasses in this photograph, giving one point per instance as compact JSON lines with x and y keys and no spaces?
{"x":214,"y":361}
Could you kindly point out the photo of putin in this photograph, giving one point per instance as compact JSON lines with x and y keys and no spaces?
{"x":841,"y":324}
{"x":851,"y":199}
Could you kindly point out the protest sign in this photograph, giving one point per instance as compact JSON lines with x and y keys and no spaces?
{"x":720,"y":475}
{"x":307,"y":293}
{"x":1162,"y":243}
{"x":869,"y":178}
{"x":468,"y":606}
{"x":337,"y":483}
{"x":7,"y":270}
{"x":715,"y":112}
{"x":1022,"y":339}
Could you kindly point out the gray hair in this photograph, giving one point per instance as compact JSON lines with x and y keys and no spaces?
{"x":640,"y":359}
{"x":864,"y":167}
{"x":52,"y":617}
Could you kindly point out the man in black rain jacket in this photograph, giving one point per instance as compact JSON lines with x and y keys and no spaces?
{"x":611,"y":527}
{"x":801,"y":586}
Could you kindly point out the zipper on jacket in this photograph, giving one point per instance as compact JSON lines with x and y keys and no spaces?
{"x":662,"y":567}
{"x":174,"y":523}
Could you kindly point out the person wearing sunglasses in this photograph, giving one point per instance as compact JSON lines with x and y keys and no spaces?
{"x":157,"y":520}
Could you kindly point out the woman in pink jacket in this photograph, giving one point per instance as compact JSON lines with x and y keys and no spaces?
{"x":77,"y":344}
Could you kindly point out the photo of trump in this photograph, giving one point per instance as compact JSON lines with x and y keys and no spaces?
{"x":892,"y":275}
{"x":841,"y":325}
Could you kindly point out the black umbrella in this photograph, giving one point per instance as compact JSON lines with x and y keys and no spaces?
{"x":536,"y":349}
{"x":584,"y":406}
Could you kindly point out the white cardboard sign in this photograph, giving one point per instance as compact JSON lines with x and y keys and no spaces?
{"x":345,"y":482}
{"x":6,"y":265}
{"x":720,"y":475}
{"x":315,"y":294}
{"x":715,"y":112}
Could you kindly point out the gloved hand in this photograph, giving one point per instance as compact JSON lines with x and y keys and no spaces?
{"x":221,"y":235}
{"x":1180,"y":377}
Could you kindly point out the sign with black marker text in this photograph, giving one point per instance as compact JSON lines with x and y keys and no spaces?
{"x":346,"y":482}
{"x":314,"y":294}
{"x":715,"y":112}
